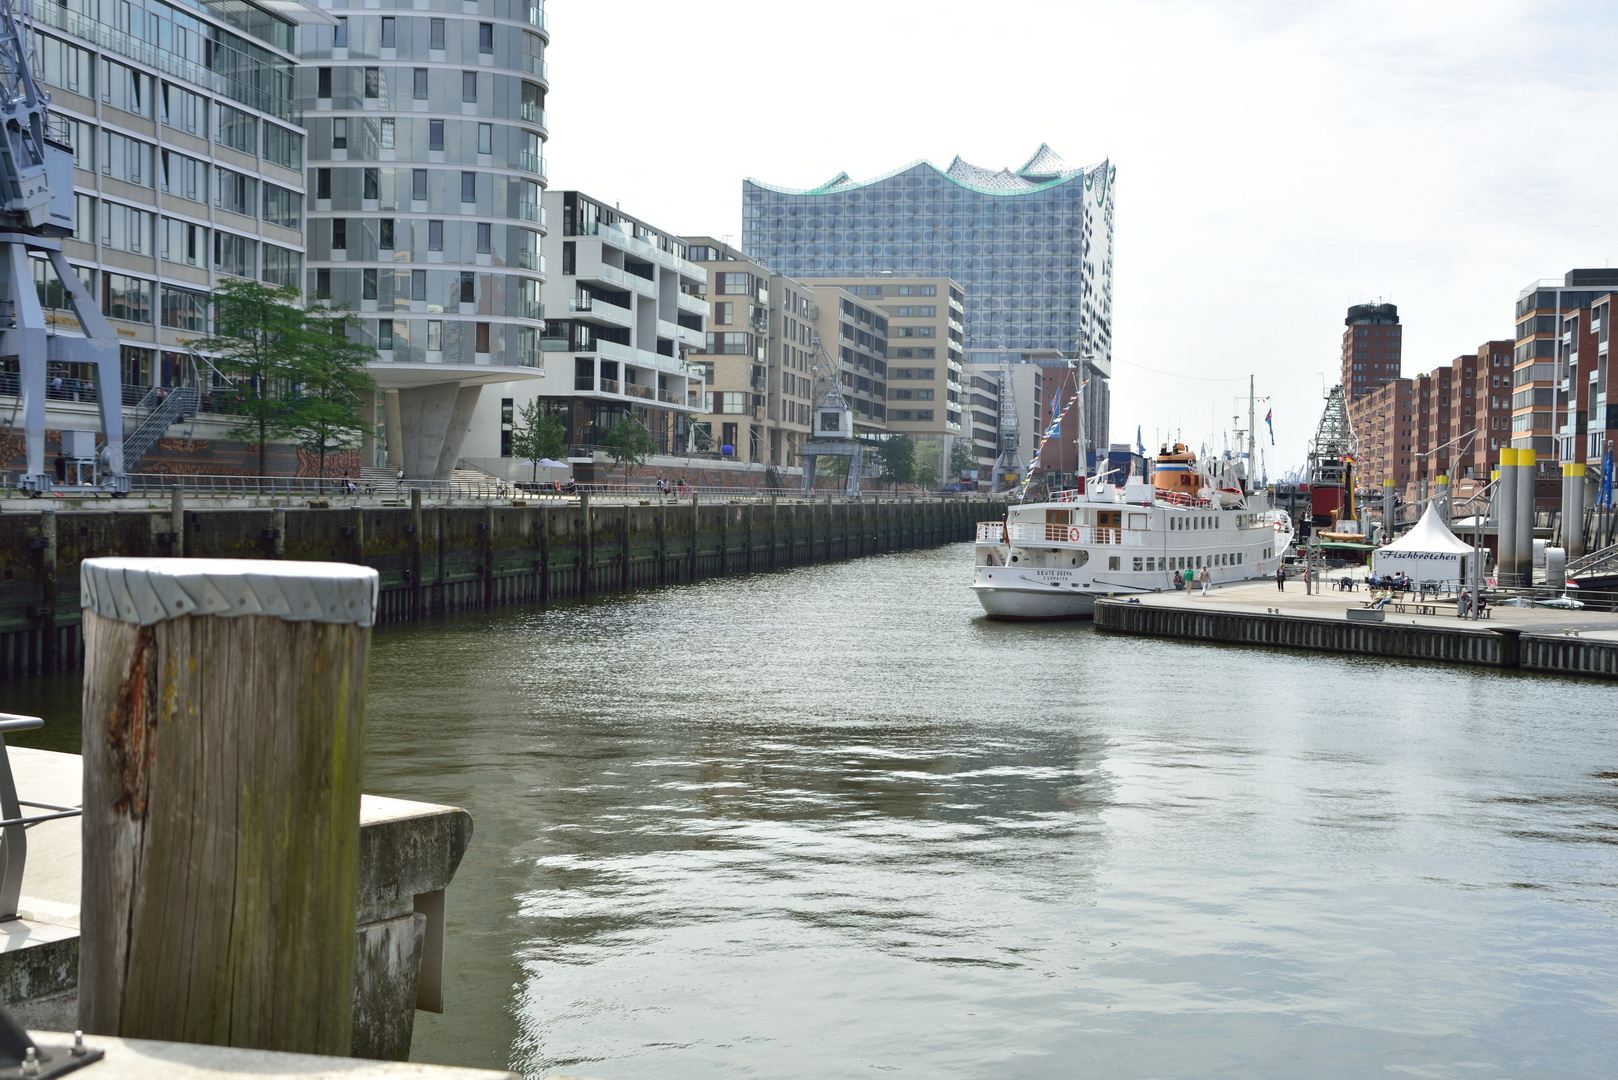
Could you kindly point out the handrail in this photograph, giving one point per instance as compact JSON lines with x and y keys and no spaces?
{"x":12,"y":822}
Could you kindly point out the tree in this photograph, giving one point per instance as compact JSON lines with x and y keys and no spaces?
{"x":258,"y":331}
{"x":538,"y":434}
{"x":896,"y":458}
{"x":831,"y":467}
{"x":332,"y":380}
{"x":927,"y":455}
{"x":962,"y":458}
{"x":628,"y":444}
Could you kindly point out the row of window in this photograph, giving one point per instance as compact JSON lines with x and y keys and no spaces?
{"x":435,"y":34}
{"x":462,"y":288}
{"x":372,"y":188}
{"x":141,"y":164}
{"x":910,"y":414}
{"x":388,"y":235}
{"x":130,"y":298}
{"x":374,"y":87}
{"x":142,"y":232}
{"x":894,"y":290}
{"x":391,"y":334}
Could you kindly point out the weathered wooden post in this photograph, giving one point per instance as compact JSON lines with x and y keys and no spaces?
{"x":588,"y":572}
{"x":696,"y":530}
{"x":177,"y":520}
{"x":544,"y":555}
{"x":415,"y":554}
{"x":47,"y":591}
{"x":488,"y":557}
{"x":222,"y":714}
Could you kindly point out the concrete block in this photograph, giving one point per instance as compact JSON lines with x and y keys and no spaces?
{"x":1366,"y":615}
{"x":385,"y":978}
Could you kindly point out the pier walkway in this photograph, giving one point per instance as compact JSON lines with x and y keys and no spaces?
{"x":1581,"y":642}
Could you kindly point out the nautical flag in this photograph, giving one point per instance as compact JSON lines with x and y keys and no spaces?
{"x":1054,"y":410}
{"x":1055,"y":430}
{"x":1270,"y":425}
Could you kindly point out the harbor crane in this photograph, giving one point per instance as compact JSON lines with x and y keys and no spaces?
{"x":36,"y":211}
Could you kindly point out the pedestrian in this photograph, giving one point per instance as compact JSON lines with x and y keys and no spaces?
{"x":662,"y":486}
{"x":1206,"y":578}
{"x":353,"y":488}
{"x":401,"y":480}
{"x":1280,"y":577}
{"x":56,"y":387}
{"x":1462,"y":605}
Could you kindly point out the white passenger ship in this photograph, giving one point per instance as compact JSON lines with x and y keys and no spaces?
{"x":1050,"y":560}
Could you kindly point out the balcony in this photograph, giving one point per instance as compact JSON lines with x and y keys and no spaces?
{"x":602,"y":310}
{"x":555,"y":344}
{"x":609,"y":386}
{"x":534,"y":114}
{"x":531,"y":211}
{"x":613,"y":349}
{"x":530,"y":309}
{"x":692,"y":305}
{"x":529,"y":259}
{"x":666,"y":329}
{"x":536,"y":65}
{"x":584,"y":382}
{"x":607,"y":273}
{"x":535,"y":13}
{"x":639,"y":391}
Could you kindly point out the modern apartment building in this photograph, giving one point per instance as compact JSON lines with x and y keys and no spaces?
{"x":1373,"y":342}
{"x":980,"y":416}
{"x":854,"y":334}
{"x":188,"y":142}
{"x":926,"y":353}
{"x":758,"y":358}
{"x":1552,"y":359}
{"x":426,"y":125}
{"x":1031,"y":249}
{"x":1024,"y":407}
{"x":625,"y":307}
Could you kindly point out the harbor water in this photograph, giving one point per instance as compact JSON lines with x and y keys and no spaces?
{"x":831,"y":822}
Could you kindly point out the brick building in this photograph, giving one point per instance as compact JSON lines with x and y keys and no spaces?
{"x":1372,"y":344}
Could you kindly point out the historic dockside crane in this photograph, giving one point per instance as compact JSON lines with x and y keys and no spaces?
{"x":36,"y":210}
{"x":1331,"y":464}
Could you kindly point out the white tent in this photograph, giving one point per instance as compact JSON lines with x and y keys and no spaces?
{"x":1429,"y":552}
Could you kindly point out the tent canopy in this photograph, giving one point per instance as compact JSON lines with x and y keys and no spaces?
{"x":1430,"y":534}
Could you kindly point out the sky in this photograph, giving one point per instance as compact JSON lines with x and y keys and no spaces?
{"x":1277,"y":161}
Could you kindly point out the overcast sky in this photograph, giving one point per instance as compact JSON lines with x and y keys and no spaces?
{"x":1277,"y":161}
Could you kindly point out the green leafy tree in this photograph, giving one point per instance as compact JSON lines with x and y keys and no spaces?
{"x":896,"y":460}
{"x":538,"y":434}
{"x":927,"y":455}
{"x":258,"y":332}
{"x":331,"y":383}
{"x":832,"y":468}
{"x":962,"y":458}
{"x":628,"y":444}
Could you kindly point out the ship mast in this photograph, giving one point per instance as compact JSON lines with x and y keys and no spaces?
{"x":1252,"y":440}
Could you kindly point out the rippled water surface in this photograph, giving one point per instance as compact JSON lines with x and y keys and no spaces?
{"x":830,"y":823}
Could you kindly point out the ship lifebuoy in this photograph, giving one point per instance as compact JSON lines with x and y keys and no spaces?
{"x":1276,"y":525}
{"x":1073,"y":534}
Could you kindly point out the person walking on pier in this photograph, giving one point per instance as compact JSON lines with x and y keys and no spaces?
{"x":1281,"y":577}
{"x":1204,"y":577}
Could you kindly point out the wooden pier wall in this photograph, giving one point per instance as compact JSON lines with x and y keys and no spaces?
{"x":455,"y":558}
{"x":1466,"y":643}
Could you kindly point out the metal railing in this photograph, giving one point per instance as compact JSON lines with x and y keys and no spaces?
{"x":168,"y":410}
{"x":13,"y":825}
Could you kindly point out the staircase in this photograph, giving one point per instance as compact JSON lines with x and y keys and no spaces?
{"x":1595,"y":563}
{"x":155,"y":414}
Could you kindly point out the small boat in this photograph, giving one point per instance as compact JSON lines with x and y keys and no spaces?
{"x":1051,"y":559}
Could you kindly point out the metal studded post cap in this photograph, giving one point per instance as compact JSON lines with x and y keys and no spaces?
{"x":147,"y":591}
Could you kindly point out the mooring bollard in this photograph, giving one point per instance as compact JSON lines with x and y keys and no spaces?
{"x":222,"y":715}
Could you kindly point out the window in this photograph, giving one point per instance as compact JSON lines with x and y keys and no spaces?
{"x":569,"y":256}
{"x":927,"y":290}
{"x":126,"y":298}
{"x":468,"y":287}
{"x":469,"y":86}
{"x":387,"y":133}
{"x":127,"y":229}
{"x":84,"y":218}
{"x":66,"y":66}
{"x":418,"y":185}
{"x":126,"y":89}
{"x":283,"y":147}
{"x":339,"y":234}
{"x":387,"y":32}
{"x":485,"y":237}
{"x":384,"y":335}
{"x":485,"y":37}
{"x":435,"y":34}
{"x":483,"y":337}
{"x":339,"y":34}
{"x":418,"y":84}
{"x":373,"y":82}
{"x":723,"y":312}
{"x":371,"y":184}
{"x":734,"y":344}
{"x":734,"y":284}
{"x":435,"y":335}
{"x":280,"y":266}
{"x":385,"y":234}
{"x":183,"y":110}
{"x":418,"y":285}
{"x":126,"y":159}
{"x":435,"y":134}
{"x":185,"y":243}
{"x":435,"y":238}
{"x":322,"y":183}
{"x":235,"y":192}
{"x":235,"y":129}
{"x":184,"y":178}
{"x":323,"y":82}
{"x":469,"y":187}
{"x":282,"y":207}
{"x":907,"y":290}
{"x":185,"y":310}
{"x":82,"y":137}
{"x":485,"y":138}
{"x":339,"y":133}
{"x":368,"y":283}
{"x":323,"y":283}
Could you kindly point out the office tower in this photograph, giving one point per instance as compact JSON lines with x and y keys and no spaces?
{"x":426,"y":146}
{"x":1031,"y":249}
{"x":1372,"y":345}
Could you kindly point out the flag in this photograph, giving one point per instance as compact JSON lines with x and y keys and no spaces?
{"x":1055,"y":430}
{"x":1270,"y":425}
{"x":1054,"y":410}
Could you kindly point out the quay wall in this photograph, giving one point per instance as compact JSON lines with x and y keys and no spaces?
{"x":1466,"y":643}
{"x":437,"y":559}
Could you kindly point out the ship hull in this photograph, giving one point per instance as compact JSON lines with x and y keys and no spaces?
{"x":1034,"y":604}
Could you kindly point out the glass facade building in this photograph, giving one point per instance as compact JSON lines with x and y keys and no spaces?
{"x":1032,"y":248}
{"x":426,"y":123}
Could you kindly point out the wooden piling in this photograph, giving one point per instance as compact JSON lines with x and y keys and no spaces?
{"x":415,"y":555}
{"x":222,"y":714}
{"x":47,"y":590}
